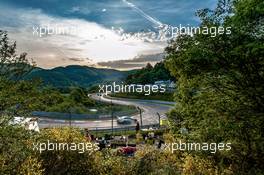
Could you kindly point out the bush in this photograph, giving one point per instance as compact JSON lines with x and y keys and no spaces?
{"x":66,"y":161}
{"x":17,"y":157}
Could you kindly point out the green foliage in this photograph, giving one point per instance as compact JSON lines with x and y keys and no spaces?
{"x":78,"y":95}
{"x":12,"y":66}
{"x":31,"y":166}
{"x":74,"y":75}
{"x":149,"y":74}
{"x":51,"y":100}
{"x":15,"y":97}
{"x":16,"y":152}
{"x":147,"y":160}
{"x":221,"y":83}
{"x":152,"y":161}
{"x":65,"y":161}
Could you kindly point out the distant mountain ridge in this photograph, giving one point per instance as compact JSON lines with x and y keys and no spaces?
{"x":75,"y":75}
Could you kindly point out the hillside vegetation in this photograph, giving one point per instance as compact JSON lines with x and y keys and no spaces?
{"x":149,"y":74}
{"x":81,"y":76}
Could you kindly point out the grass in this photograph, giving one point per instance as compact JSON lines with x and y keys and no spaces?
{"x":102,"y":109}
{"x":106,"y":108}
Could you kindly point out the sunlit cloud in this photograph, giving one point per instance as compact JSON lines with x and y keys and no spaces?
{"x":91,"y":40}
{"x":104,"y":31}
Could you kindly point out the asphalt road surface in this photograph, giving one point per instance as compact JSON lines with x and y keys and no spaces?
{"x":149,"y":108}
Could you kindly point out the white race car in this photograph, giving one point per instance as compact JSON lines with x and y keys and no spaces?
{"x":125,"y":120}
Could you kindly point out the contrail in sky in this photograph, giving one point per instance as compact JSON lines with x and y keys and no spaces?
{"x":143,"y":14}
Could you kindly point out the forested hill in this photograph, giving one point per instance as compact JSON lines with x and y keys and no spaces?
{"x":75,"y":75}
{"x":149,"y":74}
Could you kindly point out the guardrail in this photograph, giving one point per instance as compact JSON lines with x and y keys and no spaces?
{"x":115,"y":128}
{"x":72,"y":116}
{"x":125,"y":128}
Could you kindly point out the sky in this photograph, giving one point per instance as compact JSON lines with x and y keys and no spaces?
{"x":120,"y":34}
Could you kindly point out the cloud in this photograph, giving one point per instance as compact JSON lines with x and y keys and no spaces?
{"x":91,"y":39}
{"x":94,"y":38}
{"x":80,"y":59}
{"x":135,"y":63}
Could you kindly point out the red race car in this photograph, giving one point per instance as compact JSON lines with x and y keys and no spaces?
{"x":128,"y":150}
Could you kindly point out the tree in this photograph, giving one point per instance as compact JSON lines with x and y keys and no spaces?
{"x":16,"y":99}
{"x":149,"y":74}
{"x":220,"y":96}
{"x":149,"y":66}
{"x":79,"y":96}
{"x":12,"y":66}
{"x":15,"y":96}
